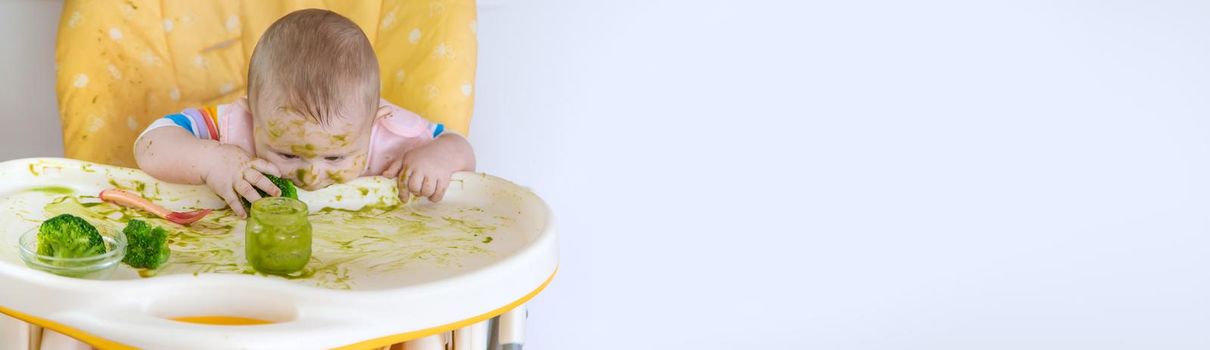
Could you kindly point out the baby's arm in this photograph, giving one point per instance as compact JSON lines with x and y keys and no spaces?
{"x":173,"y":154}
{"x":426,"y":169}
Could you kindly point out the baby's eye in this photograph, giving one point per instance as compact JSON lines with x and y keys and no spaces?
{"x":334,"y":158}
{"x":288,"y":156}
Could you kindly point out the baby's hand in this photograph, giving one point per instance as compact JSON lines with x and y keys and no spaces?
{"x":231,"y":173}
{"x":426,"y":172}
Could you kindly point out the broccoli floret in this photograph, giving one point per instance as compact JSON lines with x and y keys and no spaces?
{"x":69,"y":236}
{"x":146,"y":247}
{"x":285,"y":185}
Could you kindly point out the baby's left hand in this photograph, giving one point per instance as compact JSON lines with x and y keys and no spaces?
{"x":426,"y":172}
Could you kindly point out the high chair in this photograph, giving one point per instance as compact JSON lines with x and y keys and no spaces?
{"x":123,"y":63}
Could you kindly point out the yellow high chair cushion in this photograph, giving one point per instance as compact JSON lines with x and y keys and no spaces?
{"x":124,"y":63}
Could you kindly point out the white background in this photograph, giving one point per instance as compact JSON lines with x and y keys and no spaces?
{"x":29,"y":112}
{"x":836,"y":175}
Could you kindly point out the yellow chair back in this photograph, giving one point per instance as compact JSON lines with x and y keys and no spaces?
{"x":123,"y":63}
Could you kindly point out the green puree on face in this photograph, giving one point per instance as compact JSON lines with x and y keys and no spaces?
{"x":278,"y":236}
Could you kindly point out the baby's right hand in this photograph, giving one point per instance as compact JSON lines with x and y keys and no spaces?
{"x":232,"y":173}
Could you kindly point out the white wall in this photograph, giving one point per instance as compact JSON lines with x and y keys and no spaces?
{"x":859,"y":174}
{"x":28,"y":108}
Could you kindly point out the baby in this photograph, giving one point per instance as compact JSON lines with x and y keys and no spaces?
{"x":312,"y":115}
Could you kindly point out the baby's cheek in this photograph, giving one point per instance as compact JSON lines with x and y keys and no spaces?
{"x":354,"y":170}
{"x":340,"y":176}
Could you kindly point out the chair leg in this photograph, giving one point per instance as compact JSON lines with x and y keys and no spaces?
{"x":510,"y":329}
{"x":432,"y":342}
{"x":473,"y":337}
{"x":35,"y":337}
{"x":14,"y":333}
{"x":52,"y":340}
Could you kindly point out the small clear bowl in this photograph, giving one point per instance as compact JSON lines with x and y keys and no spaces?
{"x":92,"y":267}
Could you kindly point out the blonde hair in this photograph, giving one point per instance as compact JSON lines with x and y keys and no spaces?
{"x":312,"y":61}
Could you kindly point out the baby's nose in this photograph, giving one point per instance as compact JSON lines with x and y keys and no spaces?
{"x":307,"y":178}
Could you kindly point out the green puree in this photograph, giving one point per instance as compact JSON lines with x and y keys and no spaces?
{"x":53,"y":190}
{"x":278,"y":236}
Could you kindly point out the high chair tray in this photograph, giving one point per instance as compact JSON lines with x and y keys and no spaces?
{"x":381,"y":271}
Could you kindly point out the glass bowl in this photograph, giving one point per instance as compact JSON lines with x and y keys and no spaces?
{"x":92,"y":267}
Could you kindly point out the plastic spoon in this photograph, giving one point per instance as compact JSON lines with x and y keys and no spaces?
{"x":131,"y":200}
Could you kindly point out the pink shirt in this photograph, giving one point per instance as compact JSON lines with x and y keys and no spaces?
{"x":390,"y":137}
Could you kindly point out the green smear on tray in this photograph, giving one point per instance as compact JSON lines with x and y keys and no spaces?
{"x":138,"y":187}
{"x":53,"y":190}
{"x":381,"y":237}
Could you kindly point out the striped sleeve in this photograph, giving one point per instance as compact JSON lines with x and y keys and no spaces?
{"x":438,"y":129}
{"x":200,"y":122}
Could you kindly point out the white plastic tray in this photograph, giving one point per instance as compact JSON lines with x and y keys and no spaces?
{"x":381,"y":272}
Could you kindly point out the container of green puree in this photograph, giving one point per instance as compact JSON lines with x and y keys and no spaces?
{"x":277,"y":239}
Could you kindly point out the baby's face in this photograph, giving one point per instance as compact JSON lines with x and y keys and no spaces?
{"x":311,"y":154}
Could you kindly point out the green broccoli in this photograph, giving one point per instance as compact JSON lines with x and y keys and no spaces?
{"x":146,"y":247}
{"x":285,"y":185}
{"x":69,"y":236}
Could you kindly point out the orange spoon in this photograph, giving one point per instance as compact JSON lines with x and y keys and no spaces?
{"x":132,"y":200}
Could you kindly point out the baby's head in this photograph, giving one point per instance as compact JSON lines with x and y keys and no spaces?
{"x":313,"y":92}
